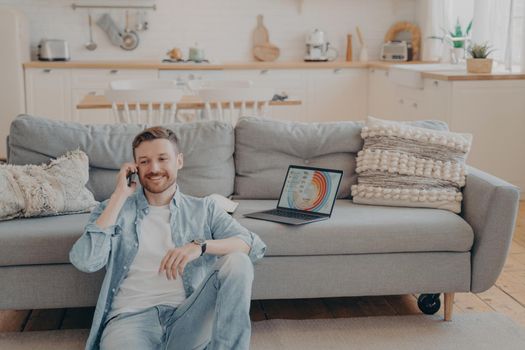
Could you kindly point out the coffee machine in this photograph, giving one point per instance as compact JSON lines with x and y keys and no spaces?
{"x":317,"y":49}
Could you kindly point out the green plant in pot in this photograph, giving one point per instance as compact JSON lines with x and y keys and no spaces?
{"x":479,"y":63}
{"x":455,"y":39}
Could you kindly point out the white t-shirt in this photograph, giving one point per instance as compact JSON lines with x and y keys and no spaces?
{"x":143,"y":286}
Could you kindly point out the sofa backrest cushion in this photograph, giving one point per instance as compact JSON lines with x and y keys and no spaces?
{"x":265,"y":148}
{"x":207,"y":147}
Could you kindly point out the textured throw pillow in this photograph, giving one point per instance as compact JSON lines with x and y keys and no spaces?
{"x":405,"y":165}
{"x":47,"y":189}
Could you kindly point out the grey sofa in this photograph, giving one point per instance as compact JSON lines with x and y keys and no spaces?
{"x":361,"y":250}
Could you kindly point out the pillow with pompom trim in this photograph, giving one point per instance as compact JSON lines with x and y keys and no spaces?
{"x":404,"y":165}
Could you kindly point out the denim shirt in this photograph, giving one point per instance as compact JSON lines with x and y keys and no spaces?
{"x":115,"y":247}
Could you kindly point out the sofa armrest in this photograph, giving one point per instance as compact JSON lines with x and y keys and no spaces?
{"x":490,"y":206}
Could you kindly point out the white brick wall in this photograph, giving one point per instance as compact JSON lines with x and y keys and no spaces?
{"x":222,"y":27}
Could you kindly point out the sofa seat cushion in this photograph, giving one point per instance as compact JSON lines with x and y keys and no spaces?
{"x":362,"y":229}
{"x":352,"y":229}
{"x":42,"y":240}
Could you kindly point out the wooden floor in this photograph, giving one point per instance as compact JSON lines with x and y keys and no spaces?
{"x":506,"y":297}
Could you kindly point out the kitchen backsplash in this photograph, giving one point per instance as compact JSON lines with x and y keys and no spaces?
{"x":223,"y":28}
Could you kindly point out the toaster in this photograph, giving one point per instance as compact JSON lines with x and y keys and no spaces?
{"x":395,"y":51}
{"x":53,"y":50}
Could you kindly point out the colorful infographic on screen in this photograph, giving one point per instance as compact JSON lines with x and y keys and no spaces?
{"x":310,"y":190}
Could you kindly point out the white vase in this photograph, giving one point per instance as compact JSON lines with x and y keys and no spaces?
{"x":363,"y":54}
{"x":458,"y":55}
{"x":446,"y":54}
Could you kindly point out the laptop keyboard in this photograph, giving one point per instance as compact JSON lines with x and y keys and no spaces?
{"x":291,"y":214}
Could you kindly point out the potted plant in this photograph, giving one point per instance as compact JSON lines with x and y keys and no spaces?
{"x":479,"y":63}
{"x":456,"y":39}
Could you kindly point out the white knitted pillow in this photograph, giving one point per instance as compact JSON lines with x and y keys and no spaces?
{"x":404,"y":165}
{"x":47,"y":189}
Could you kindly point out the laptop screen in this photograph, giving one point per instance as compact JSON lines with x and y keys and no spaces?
{"x":310,"y":189}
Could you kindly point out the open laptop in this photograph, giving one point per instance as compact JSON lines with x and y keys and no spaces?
{"x":308,"y":195}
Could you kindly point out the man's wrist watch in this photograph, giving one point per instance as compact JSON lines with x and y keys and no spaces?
{"x":202,"y":243}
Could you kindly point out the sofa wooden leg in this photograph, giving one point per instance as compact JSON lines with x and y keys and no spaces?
{"x":449,"y":302}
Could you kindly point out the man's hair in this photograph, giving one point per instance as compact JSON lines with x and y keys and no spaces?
{"x":154,"y":133}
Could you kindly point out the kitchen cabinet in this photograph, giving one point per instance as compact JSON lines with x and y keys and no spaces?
{"x":48,"y":93}
{"x":381,"y":95}
{"x":409,"y":104}
{"x":337,"y":94}
{"x":389,"y":100}
{"x":95,"y":82}
{"x":182,"y":77}
{"x":436,"y":100}
{"x":55,"y":93}
{"x":493,"y":111}
{"x":89,"y":116}
{"x":326,"y":94}
{"x":100,"y":78}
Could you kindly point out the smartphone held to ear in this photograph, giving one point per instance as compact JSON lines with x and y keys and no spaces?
{"x":131,"y":177}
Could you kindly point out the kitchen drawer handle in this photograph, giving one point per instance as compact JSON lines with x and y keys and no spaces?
{"x":337,"y":70}
{"x":401,"y":101}
{"x":386,"y":73}
{"x":372,"y":70}
{"x":264,"y":71}
{"x":47,"y":71}
{"x":436,"y":83}
{"x":414,"y":104}
{"x":113,"y":71}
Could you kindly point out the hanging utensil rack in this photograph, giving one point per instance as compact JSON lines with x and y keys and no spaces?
{"x":143,"y":7}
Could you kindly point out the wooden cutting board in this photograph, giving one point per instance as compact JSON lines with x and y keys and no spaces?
{"x":260,"y":34}
{"x":266,"y":52}
{"x":262,"y":49}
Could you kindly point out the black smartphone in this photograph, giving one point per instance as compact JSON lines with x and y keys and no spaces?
{"x":130,"y":177}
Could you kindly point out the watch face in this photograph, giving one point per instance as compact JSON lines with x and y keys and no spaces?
{"x":199,"y":241}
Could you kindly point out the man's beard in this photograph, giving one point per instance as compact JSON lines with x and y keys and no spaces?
{"x":156,"y":190}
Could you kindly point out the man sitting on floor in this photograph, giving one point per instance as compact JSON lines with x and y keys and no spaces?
{"x":178,"y":268}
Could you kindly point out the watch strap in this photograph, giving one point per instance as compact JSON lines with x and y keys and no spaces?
{"x":200,"y":243}
{"x":203,"y":248}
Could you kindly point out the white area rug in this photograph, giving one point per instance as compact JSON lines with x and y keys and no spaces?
{"x":467,"y":331}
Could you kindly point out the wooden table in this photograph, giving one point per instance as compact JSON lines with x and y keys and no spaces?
{"x":187,"y":102}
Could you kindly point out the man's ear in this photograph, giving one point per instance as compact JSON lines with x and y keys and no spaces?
{"x":180,"y":161}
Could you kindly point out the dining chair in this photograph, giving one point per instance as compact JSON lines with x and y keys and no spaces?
{"x":144,"y":101}
{"x":227,"y":101}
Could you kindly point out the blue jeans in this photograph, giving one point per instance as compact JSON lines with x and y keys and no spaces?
{"x":215,"y":317}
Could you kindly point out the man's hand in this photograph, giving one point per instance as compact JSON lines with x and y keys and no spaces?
{"x":122,"y":189}
{"x":176,"y":259}
{"x":119,"y":196}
